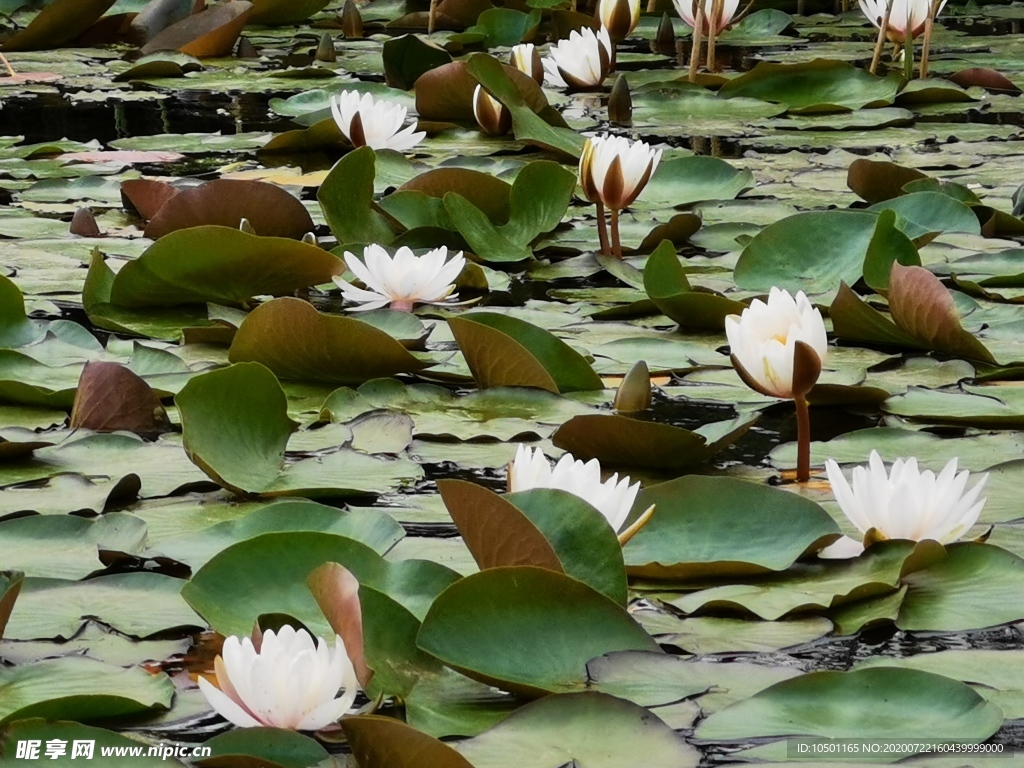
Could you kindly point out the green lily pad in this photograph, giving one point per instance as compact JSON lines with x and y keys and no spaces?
{"x":295,"y":341}
{"x":811,"y":251}
{"x":686,"y":180}
{"x":81,"y":689}
{"x":863,"y":704}
{"x":701,"y":526}
{"x":974,"y":586}
{"x":821,"y":85}
{"x":10,"y":587}
{"x":666,"y":284}
{"x":41,"y":730}
{"x":506,"y":351}
{"x":59,"y":23}
{"x":265,"y":747}
{"x":588,"y":729}
{"x":219,"y":265}
{"x":527,"y":630}
{"x":235,"y":428}
{"x":922,"y":215}
{"x":267,"y":574}
{"x":346,"y":199}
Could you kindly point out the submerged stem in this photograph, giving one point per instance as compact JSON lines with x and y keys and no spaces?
{"x":803,"y":439}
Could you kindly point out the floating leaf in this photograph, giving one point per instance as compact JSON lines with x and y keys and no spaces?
{"x":921,"y":306}
{"x":58,"y":23}
{"x":80,"y":688}
{"x":209,"y":33}
{"x":219,"y":265}
{"x":111,"y":397}
{"x":384,"y":742}
{"x":811,"y":251}
{"x":821,"y":85}
{"x":504,"y":351}
{"x":41,"y":730}
{"x":685,"y":180}
{"x":295,"y":341}
{"x":285,"y":11}
{"x":863,"y":704}
{"x":489,"y":193}
{"x":526,"y":630}
{"x":262,"y":748}
{"x":271,"y":211}
{"x":346,"y":198}
{"x":587,"y":729}
{"x":542,"y":527}
{"x":10,"y":586}
{"x":666,"y":284}
{"x":923,"y":215}
{"x":700,"y":529}
{"x":268,"y":574}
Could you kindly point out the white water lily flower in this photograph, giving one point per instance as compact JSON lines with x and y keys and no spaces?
{"x":491,"y":115}
{"x":374,"y":124}
{"x":685,"y":10}
{"x":619,"y":17}
{"x":291,"y":682}
{"x":763,"y":342}
{"x":402,"y":280}
{"x":906,"y":15}
{"x":583,"y":60}
{"x":613,"y":170}
{"x":904,"y":503}
{"x":526,"y":58}
{"x":613,"y":498}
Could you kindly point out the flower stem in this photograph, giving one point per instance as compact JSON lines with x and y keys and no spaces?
{"x":803,"y":440}
{"x":602,"y":230}
{"x":880,"y":42}
{"x":616,"y":242}
{"x":698,"y":30}
{"x":716,"y":14}
{"x":929,"y":26}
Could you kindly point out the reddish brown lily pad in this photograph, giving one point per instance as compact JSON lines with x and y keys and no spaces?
{"x":110,"y":398}
{"x":208,"y":34}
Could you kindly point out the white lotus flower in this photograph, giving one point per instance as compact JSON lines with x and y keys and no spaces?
{"x":614,"y":171}
{"x":905,"y":15}
{"x":402,"y":280}
{"x":491,"y":115}
{"x":526,"y":58}
{"x":904,"y":504}
{"x":289,"y":683}
{"x":583,"y":60}
{"x":763,"y":342}
{"x":685,"y":10}
{"x":613,"y":498}
{"x":374,"y":124}
{"x":619,"y":17}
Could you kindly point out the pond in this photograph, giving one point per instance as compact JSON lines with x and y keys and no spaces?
{"x":236,"y":408}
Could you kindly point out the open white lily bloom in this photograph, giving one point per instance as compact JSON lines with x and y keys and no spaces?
{"x":290,"y":682}
{"x":619,"y":17}
{"x":402,"y":280}
{"x":763,"y":341}
{"x":904,"y":503}
{"x":907,"y":16}
{"x":583,"y":60}
{"x":685,"y":10}
{"x":374,"y":124}
{"x":526,"y":58}
{"x":614,"y":171}
{"x":613,"y":498}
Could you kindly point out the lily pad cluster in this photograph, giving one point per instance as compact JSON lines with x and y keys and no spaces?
{"x":202,"y":436}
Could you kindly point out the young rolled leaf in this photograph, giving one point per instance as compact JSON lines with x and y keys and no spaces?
{"x":634,"y":393}
{"x":922,"y":306}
